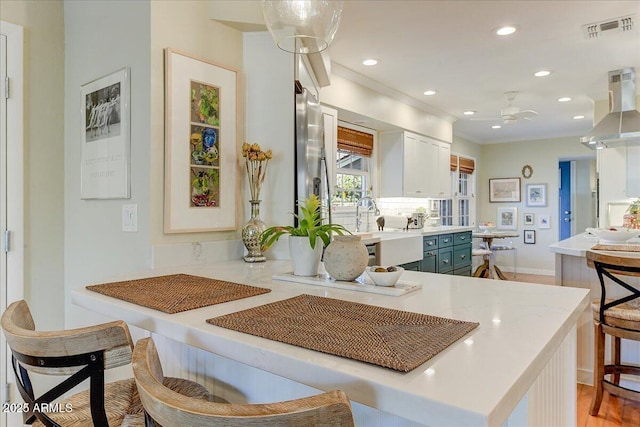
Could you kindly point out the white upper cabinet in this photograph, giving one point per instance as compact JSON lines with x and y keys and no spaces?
{"x":413,"y":166}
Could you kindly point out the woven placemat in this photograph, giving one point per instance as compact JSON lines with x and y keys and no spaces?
{"x":395,"y":339}
{"x":177,"y":292}
{"x":621,"y":248}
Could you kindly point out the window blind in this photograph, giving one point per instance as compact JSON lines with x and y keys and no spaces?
{"x":355,"y":141}
{"x":465,"y":165}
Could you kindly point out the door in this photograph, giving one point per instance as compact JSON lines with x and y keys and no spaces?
{"x":11,"y":192}
{"x":565,"y":199}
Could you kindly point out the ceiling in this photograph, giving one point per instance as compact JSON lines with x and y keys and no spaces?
{"x":449,"y":46}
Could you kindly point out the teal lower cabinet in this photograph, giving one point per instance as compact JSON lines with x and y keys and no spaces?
{"x":447,"y":254}
{"x":411,"y":266}
{"x":428,"y":263}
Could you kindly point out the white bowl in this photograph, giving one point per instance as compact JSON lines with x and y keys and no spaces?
{"x":617,"y":235}
{"x":388,"y":278}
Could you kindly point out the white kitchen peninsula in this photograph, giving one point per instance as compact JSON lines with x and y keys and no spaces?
{"x":504,"y":370}
{"x":572,"y":271}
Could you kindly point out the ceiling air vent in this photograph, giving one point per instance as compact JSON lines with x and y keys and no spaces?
{"x":612,"y":26}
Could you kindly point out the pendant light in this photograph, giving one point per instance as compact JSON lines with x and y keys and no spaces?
{"x":302,"y":26}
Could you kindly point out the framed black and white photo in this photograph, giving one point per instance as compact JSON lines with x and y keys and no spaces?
{"x":530,"y":237}
{"x":507,"y":218}
{"x":529,"y":219}
{"x":536,"y":195}
{"x":104,"y":168}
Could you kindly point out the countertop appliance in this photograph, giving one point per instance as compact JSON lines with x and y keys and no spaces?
{"x":309,"y":148}
{"x":416,"y":220}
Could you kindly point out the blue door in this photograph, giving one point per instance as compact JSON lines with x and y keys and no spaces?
{"x":564,"y":214}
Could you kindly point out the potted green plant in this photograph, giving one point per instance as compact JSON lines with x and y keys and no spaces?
{"x":303,"y":239}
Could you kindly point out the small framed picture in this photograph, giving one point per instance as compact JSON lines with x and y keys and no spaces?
{"x":528,"y":219}
{"x":530,"y":237}
{"x":507,"y":218}
{"x":504,"y":190}
{"x":536,"y":194}
{"x":544,"y":221}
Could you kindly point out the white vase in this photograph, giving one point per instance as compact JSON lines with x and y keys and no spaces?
{"x":346,"y":258}
{"x":305,"y":260}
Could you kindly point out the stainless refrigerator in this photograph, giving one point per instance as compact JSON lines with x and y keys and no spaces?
{"x":310,"y":175}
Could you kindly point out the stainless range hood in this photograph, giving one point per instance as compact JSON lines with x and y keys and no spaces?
{"x":621,"y":127}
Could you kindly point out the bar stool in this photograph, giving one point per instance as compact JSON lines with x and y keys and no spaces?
{"x":165,"y":407}
{"x":497,"y":247}
{"x":618,"y":317}
{"x":79,"y":354}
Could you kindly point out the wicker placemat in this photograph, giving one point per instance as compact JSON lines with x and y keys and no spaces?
{"x":396,"y":339}
{"x":621,"y":248}
{"x":177,"y":292}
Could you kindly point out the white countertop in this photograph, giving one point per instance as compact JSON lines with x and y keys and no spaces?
{"x":577,"y":245}
{"x":395,"y":233}
{"x":476,"y":381}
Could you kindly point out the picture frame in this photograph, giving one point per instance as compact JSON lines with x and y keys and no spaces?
{"x":507,"y":219}
{"x":530,"y":237}
{"x":544,"y":221}
{"x":504,"y":190}
{"x":536,"y":195}
{"x":201,"y":147}
{"x":106,"y":137}
{"x":529,"y":219}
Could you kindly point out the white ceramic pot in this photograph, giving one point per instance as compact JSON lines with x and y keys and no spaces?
{"x":305,"y":260}
{"x":346,"y":258}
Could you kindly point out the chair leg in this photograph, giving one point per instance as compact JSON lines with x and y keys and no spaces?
{"x":598,"y":369}
{"x":615,"y":357}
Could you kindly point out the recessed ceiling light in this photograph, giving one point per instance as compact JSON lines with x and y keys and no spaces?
{"x":469,"y":113}
{"x":429,"y":92}
{"x":578,"y":117}
{"x":564,"y":99}
{"x":542,"y":73}
{"x":496,"y":127}
{"x":506,"y":30}
{"x":370,"y":62}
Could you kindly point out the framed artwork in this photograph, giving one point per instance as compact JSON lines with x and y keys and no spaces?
{"x":504,"y":190}
{"x":529,"y":219}
{"x":544,"y":221}
{"x":201,"y":183}
{"x":105,"y":151}
{"x":536,"y":195}
{"x":530,"y":237}
{"x":507,"y":218}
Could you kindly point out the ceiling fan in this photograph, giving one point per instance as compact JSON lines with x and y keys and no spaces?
{"x":511,"y":114}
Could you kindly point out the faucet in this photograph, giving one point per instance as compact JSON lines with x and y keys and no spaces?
{"x":370,"y":205}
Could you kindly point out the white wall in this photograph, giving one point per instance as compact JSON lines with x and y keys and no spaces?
{"x":43,"y":155}
{"x":506,"y":161}
{"x":102,"y":37}
{"x":347,"y":95}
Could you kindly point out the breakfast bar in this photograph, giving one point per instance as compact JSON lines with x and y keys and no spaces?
{"x":501,"y":370}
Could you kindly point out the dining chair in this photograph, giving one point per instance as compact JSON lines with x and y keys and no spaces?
{"x":78,"y":354}
{"x":166,"y":408}
{"x":618,"y":317}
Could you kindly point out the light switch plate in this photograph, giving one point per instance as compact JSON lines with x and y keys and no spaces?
{"x":130,"y":218}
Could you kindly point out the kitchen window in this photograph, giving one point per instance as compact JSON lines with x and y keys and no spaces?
{"x":353,"y":158}
{"x":461,"y":209}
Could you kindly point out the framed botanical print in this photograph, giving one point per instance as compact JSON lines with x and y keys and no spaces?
{"x":507,"y":218}
{"x":536,"y":194}
{"x":201,"y":183}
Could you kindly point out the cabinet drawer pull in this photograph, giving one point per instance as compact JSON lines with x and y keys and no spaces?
{"x":445,"y":261}
{"x":463,"y":256}
{"x":463,"y":237}
{"x":430,"y":243}
{"x":446,"y":240}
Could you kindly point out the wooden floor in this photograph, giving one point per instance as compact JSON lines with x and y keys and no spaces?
{"x":614,"y":411}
